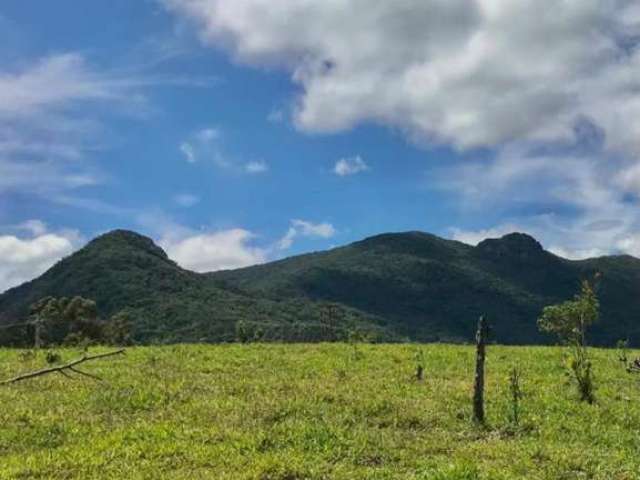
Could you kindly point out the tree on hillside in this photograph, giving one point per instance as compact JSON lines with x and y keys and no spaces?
{"x":117,"y":331}
{"x":569,"y":322}
{"x":65,"y":320}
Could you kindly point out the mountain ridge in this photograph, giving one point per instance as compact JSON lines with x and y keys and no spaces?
{"x":407,"y":285}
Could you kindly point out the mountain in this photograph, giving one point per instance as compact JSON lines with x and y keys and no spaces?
{"x":125,"y":272}
{"x":432,"y":289}
{"x":392,"y":286}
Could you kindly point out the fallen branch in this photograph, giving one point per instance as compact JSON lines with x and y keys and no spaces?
{"x":63,"y":369}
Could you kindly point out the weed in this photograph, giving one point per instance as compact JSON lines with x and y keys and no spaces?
{"x":516,"y":395}
{"x":52,"y":357}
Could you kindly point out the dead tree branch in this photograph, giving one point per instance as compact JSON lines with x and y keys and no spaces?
{"x":64,"y":369}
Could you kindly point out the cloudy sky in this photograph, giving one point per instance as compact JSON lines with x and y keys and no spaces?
{"x":237,"y":132}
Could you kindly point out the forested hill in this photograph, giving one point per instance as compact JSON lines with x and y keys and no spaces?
{"x":432,"y":289}
{"x":393,"y":286}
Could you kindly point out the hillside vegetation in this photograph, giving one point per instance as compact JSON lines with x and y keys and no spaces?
{"x":389,"y":287}
{"x":316,"y":411}
{"x":127,"y":273}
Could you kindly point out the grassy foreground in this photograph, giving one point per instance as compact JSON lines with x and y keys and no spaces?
{"x":322,"y":411}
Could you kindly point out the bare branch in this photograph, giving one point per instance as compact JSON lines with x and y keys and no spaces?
{"x":65,"y":374}
{"x":95,"y":377}
{"x":61,"y":368}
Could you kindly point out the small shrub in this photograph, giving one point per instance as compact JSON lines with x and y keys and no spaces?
{"x":623,"y":352}
{"x":355,"y":338}
{"x":516,"y":395}
{"x":580,"y":369}
{"x":27,"y":356}
{"x":53,"y":357}
{"x":569,"y":322}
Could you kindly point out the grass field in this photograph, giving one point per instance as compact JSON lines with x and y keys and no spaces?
{"x":323,"y":411}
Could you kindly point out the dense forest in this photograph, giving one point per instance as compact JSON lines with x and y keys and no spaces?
{"x":391,"y":287}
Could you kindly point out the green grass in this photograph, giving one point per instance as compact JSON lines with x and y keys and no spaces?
{"x":321,"y":411}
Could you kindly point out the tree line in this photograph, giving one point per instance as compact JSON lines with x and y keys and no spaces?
{"x":68,"y":321}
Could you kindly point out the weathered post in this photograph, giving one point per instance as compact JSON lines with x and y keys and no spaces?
{"x":478,"y":387}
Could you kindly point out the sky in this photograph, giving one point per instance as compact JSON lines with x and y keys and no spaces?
{"x":239,"y":132}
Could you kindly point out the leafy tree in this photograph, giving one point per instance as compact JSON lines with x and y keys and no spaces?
{"x":67,"y":320}
{"x":569,"y":322}
{"x":117,"y":331}
{"x":244,"y":332}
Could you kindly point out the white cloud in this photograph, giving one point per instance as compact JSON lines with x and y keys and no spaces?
{"x":186,"y":200}
{"x":577,"y":243}
{"x":474,"y":237}
{"x":210,"y":251}
{"x":630,"y":244}
{"x":305,"y":229}
{"x":350,"y":166}
{"x":309,"y":229}
{"x":208,"y":135}
{"x":572,"y":203}
{"x":207,"y":146}
{"x":552,"y":95}
{"x":187,"y":149}
{"x":205,"y":249}
{"x":258,"y":166}
{"x":24,"y":258}
{"x":52,"y":120}
{"x":54,"y":82}
{"x":48,"y":122}
{"x":629,"y":179}
{"x":468,"y":73}
{"x":35,"y":227}
{"x":203,"y":144}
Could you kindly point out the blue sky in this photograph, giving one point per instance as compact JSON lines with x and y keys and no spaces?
{"x":239,"y":132}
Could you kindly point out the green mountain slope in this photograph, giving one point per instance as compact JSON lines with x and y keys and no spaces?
{"x":124,"y":271}
{"x":406,"y":285}
{"x":431,"y":289}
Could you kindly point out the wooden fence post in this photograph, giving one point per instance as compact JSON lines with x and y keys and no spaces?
{"x":478,"y":388}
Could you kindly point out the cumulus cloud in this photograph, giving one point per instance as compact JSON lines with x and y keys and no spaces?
{"x":468,"y":73}
{"x":578,"y":246}
{"x":205,"y":249}
{"x":545,"y":106}
{"x":305,"y":229}
{"x":29,"y":249}
{"x":210,"y":251}
{"x":571,"y":204}
{"x":350,"y":166}
{"x":35,"y":227}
